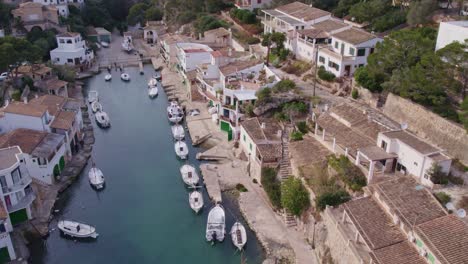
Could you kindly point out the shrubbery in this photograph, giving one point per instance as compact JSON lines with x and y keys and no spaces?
{"x":325,"y":75}
{"x":331,"y":198}
{"x":354,"y":94}
{"x":443,"y":197}
{"x":244,"y":16}
{"x":284,"y":86}
{"x":272,"y":186}
{"x":294,"y":196}
{"x":302,"y":126}
{"x":349,"y":173}
{"x":296,"y":136}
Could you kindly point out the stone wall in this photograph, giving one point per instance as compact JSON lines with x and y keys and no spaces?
{"x":445,"y":134}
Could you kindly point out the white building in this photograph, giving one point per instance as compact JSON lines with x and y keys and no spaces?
{"x":189,"y":55}
{"x":61,"y":5}
{"x":43,"y":153}
{"x":348,"y":50}
{"x":7,"y":251}
{"x":451,"y":31}
{"x":71,"y":50}
{"x":414,"y":156}
{"x":252,"y":4}
{"x":17,"y":193}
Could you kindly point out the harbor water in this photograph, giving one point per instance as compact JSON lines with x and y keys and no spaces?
{"x":143,"y":215}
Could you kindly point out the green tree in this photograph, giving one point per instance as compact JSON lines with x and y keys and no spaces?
{"x":366,"y":11}
{"x":272,"y":186}
{"x":276,"y":38}
{"x":14,"y":51}
{"x":153,"y":14}
{"x":136,"y":14}
{"x":420,"y":11}
{"x":455,"y":57}
{"x":436,"y":174}
{"x":294,"y":196}
{"x":5,"y":15}
{"x":207,"y":22}
{"x":464,"y":113}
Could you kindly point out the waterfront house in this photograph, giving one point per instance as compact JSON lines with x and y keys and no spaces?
{"x":98,"y":34}
{"x":7,"y":251}
{"x":451,"y":31}
{"x":53,"y":86}
{"x":189,"y":55}
{"x":71,"y":50}
{"x":260,"y":140}
{"x":150,"y":31}
{"x":17,"y":193}
{"x":217,"y":38}
{"x":168,"y":49}
{"x":252,"y":4}
{"x":43,"y":152}
{"x":347,"y":51}
{"x":36,"y":15}
{"x":35,"y":71}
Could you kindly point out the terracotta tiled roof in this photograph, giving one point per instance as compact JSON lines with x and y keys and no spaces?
{"x":37,"y":69}
{"x":64,"y":120}
{"x":412,"y":141}
{"x":447,"y":238}
{"x":376,"y":228}
{"x":219,"y":32}
{"x":253,"y":127}
{"x":52,"y":102}
{"x":8,"y":157}
{"x":400,"y":253}
{"x":314,"y":33}
{"x":302,"y":11}
{"x":238,"y":66}
{"x":270,"y":151}
{"x":330,"y":25}
{"x":25,"y":109}
{"x":68,"y":35}
{"x":26,"y":139}
{"x":354,"y":36}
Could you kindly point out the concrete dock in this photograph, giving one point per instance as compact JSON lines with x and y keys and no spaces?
{"x":210,"y":177}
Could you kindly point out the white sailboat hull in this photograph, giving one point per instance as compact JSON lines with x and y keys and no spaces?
{"x":76,"y":229}
{"x":153,"y":91}
{"x":238,"y":235}
{"x":152,"y":82}
{"x":216,"y":224}
{"x":96,"y":178}
{"x":125,"y":77}
{"x":181,"y":149}
{"x":196,"y":201}
{"x":96,"y":107}
{"x":102,"y":119}
{"x":189,"y":175}
{"x":108,"y":77}
{"x":178,"y":132}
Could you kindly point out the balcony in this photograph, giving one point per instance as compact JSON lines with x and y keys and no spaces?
{"x":25,"y":181}
{"x":23,"y":203}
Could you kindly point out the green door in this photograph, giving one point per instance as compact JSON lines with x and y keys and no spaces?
{"x":229,"y":135}
{"x":18,"y":217}
{"x":4,"y":255}
{"x":226,"y":128}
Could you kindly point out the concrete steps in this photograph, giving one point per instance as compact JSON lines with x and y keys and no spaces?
{"x":289,"y":219}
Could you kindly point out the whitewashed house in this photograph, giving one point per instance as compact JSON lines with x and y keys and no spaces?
{"x":71,"y":50}
{"x":43,"y":153}
{"x":347,"y":51}
{"x":61,"y":5}
{"x":150,"y":31}
{"x":7,"y":251}
{"x":17,"y":193}
{"x":451,"y":31}
{"x":189,"y":55}
{"x":252,"y":4}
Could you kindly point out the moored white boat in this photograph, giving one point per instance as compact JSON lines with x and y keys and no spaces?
{"x":158,"y":76}
{"x":125,"y":77}
{"x":108,"y":77}
{"x":104,"y":44}
{"x":76,"y":229}
{"x":102,"y":119}
{"x":93,"y":96}
{"x":196,"y":201}
{"x":178,"y":132}
{"x":216,"y":224}
{"x":174,"y":112}
{"x":153,"y":91}
{"x":181,"y":149}
{"x":238,"y":235}
{"x":96,"y":177}
{"x":152,"y":82}
{"x":189,"y":175}
{"x":96,"y":106}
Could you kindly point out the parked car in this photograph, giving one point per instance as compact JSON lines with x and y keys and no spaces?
{"x":3,"y":76}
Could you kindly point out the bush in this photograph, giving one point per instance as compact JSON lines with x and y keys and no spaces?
{"x":244,"y":16}
{"x":294,"y":196}
{"x":366,"y":80}
{"x":325,"y":75}
{"x":280,"y":116}
{"x":255,"y":181}
{"x":331,"y":198}
{"x":437,"y":176}
{"x":263,"y":96}
{"x":241,"y":188}
{"x":252,"y":40}
{"x":297,"y":68}
{"x":296,"y":136}
{"x":348,"y":173}
{"x":302,"y":126}
{"x":355,"y":94}
{"x":272,"y":186}
{"x":443,"y":197}
{"x":16,"y":95}
{"x":284,"y":86}
{"x":388,"y":21}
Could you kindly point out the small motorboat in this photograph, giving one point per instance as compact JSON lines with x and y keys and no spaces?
{"x":194,"y":112}
{"x":181,"y":149}
{"x":238,"y":235}
{"x":178,"y":132}
{"x":152,"y":82}
{"x":216,"y":224}
{"x":93,"y":96}
{"x":174,"y":112}
{"x":125,"y":77}
{"x":104,"y":44}
{"x":108,"y":77}
{"x":76,"y":229}
{"x":189,"y":175}
{"x":157,"y":76}
{"x":96,"y":106}
{"x":153,"y":91}
{"x":102,"y":119}
{"x":196,"y":201}
{"x":96,"y":177}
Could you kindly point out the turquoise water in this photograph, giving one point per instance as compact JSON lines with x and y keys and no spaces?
{"x":142,"y":215}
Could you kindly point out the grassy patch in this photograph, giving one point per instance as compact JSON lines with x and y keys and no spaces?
{"x":241,"y":188}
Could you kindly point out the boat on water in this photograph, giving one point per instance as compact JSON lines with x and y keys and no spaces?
{"x":153,"y":91}
{"x":96,"y":177}
{"x":238,"y":235}
{"x":157,"y":76}
{"x":216,"y":224}
{"x":196,"y":201}
{"x":174,"y":112}
{"x":93,"y":96}
{"x":127,"y":46}
{"x":104,"y":44}
{"x":108,"y":77}
{"x":189,"y":175}
{"x":152,"y":82}
{"x":178,"y":132}
{"x":76,"y":229}
{"x":96,"y":106}
{"x":102,"y":119}
{"x":125,"y":77}
{"x":181,"y":149}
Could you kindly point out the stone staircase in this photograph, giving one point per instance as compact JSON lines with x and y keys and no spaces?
{"x":285,"y":169}
{"x":289,"y":219}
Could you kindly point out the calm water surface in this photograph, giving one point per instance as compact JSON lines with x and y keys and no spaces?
{"x":143,"y":215}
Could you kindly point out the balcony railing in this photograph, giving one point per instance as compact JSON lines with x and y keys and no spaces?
{"x":23,"y":203}
{"x":25,"y":181}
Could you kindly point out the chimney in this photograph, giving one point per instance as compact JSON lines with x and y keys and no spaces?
{"x":262,"y":125}
{"x":25,"y":99}
{"x":199,"y":36}
{"x":229,"y":51}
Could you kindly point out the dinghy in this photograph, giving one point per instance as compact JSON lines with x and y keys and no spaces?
{"x":174,"y":112}
{"x":76,"y":229}
{"x":108,"y":77}
{"x":178,"y":132}
{"x":96,"y":106}
{"x":238,"y":235}
{"x":189,"y":175}
{"x":104,"y":44}
{"x":93,"y":96}
{"x":125,"y":77}
{"x":102,"y":119}
{"x":157,"y":76}
{"x":152,"y":82}
{"x":196,"y":201}
{"x":181,"y":149}
{"x":153,"y":91}
{"x":215,"y":226}
{"x":96,"y":178}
